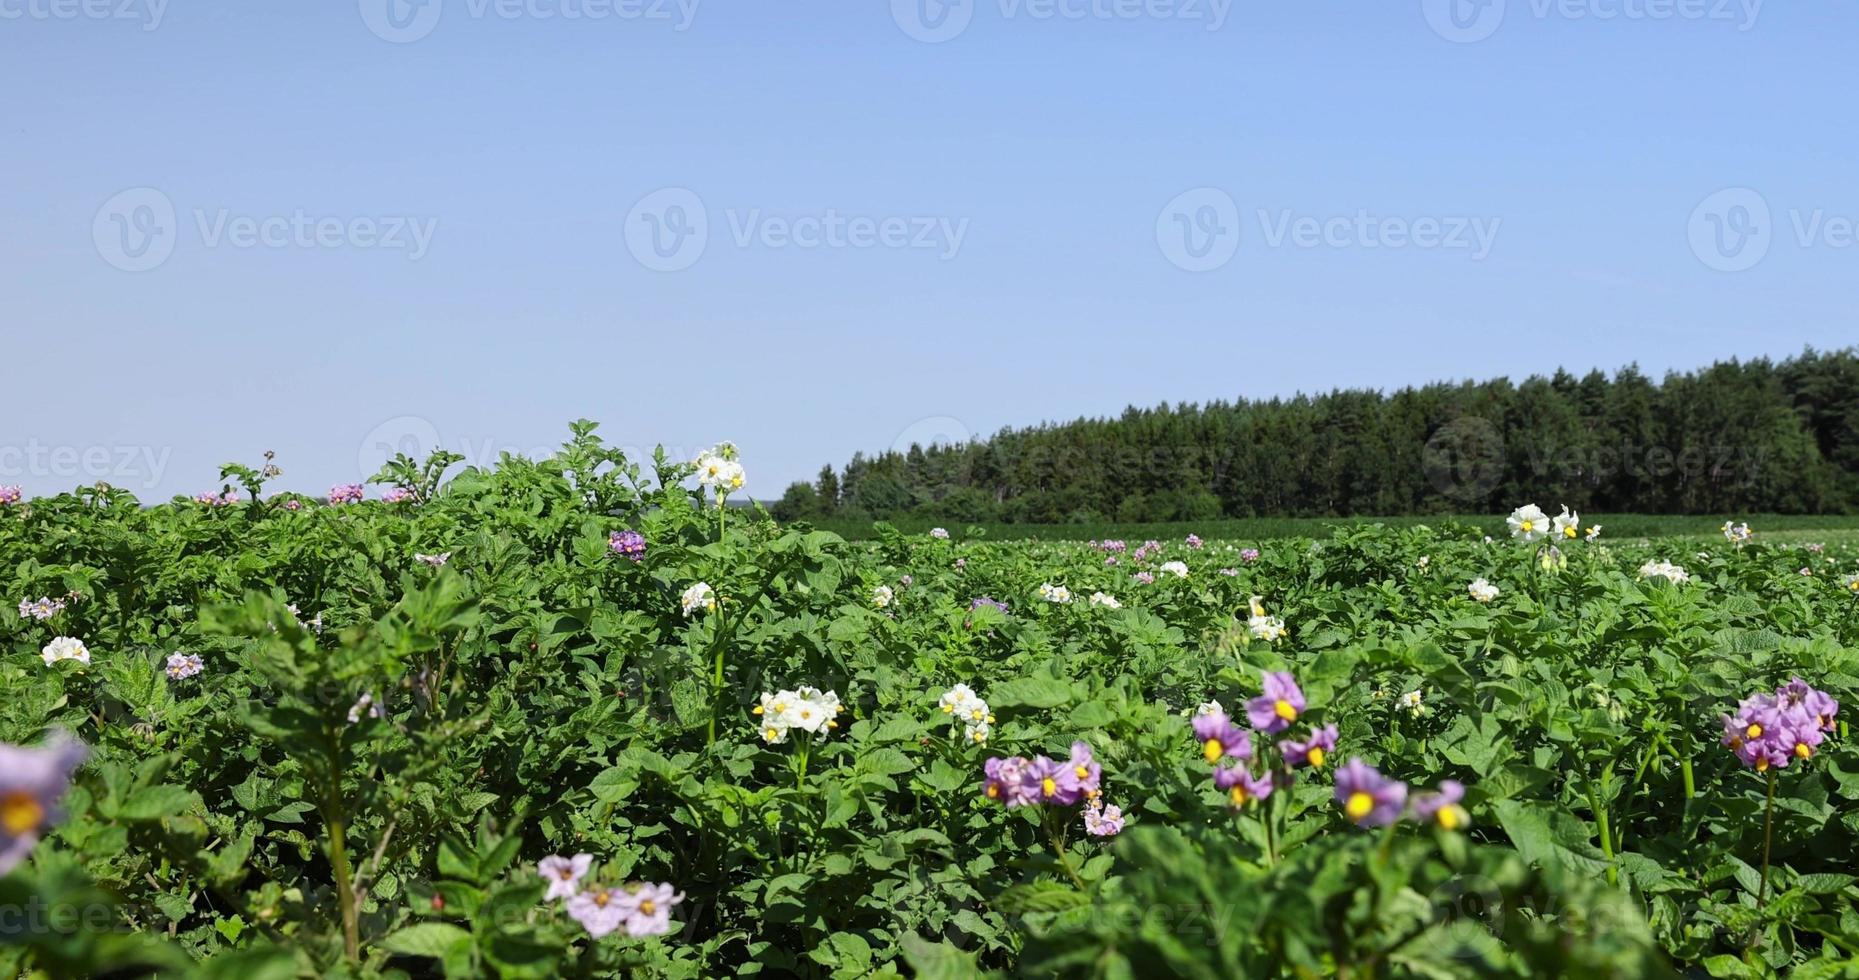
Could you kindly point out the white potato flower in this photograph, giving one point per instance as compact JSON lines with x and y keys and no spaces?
{"x":1665,"y":570}
{"x":1482,"y":590}
{"x":698,"y":598}
{"x":65,"y":648}
{"x":1106,"y":600}
{"x":1179,"y":569}
{"x":1528,"y":523}
{"x":882,"y":597}
{"x":1566,"y":525}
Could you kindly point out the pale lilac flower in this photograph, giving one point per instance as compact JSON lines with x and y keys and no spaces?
{"x":1310,"y":752}
{"x":1082,"y":774}
{"x":939,"y":533}
{"x":1144,"y":578}
{"x":10,"y":496}
{"x":1229,"y":572}
{"x":563,"y":874}
{"x":345,"y":493}
{"x":365,"y":705}
{"x":1101,"y":820}
{"x":41,"y":609}
{"x":1007,"y":782}
{"x":649,"y":908}
{"x":1249,"y":554}
{"x":32,"y":781}
{"x":600,"y":910}
{"x":293,"y":504}
{"x":1219,"y":737}
{"x":396,"y":495}
{"x":1194,"y":541}
{"x":1368,"y":798}
{"x":181,"y":666}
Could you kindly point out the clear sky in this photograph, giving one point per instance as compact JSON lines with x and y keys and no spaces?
{"x":815,"y":227}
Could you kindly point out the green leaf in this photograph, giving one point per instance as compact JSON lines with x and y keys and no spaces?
{"x":428,"y":939}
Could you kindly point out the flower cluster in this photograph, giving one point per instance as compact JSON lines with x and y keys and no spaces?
{"x":211,"y":499}
{"x":1194,"y":541}
{"x":32,"y":781}
{"x":627,"y":544}
{"x":1851,"y":582}
{"x":1179,"y":569}
{"x":1263,"y":627}
{"x":1370,"y":799}
{"x":345,"y":493}
{"x":982,"y":600}
{"x":808,"y":709}
{"x":963,"y":705}
{"x":396,"y":495}
{"x":1020,"y":781}
{"x":939,"y":533}
{"x":1737,"y":534}
{"x":718,"y":469}
{"x":1106,"y":600}
{"x":638,"y":908}
{"x":181,"y":666}
{"x":1055,"y":593}
{"x":11,"y":495}
{"x":1144,"y":578}
{"x":1665,"y":570}
{"x":1101,"y":820}
{"x":40,"y":609}
{"x":65,"y":648}
{"x":1770,"y":730}
{"x":882,"y":597}
{"x":1248,"y":555}
{"x":698,"y":598}
{"x":1482,"y":590}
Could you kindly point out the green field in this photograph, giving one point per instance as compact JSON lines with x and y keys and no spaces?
{"x":1779,"y":527}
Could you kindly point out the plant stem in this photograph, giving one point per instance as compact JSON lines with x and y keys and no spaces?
{"x":1607,"y":838}
{"x":1768,"y":840}
{"x":1065,"y":862}
{"x":1691,"y":786}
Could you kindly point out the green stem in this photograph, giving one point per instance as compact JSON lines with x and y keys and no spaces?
{"x":1065,"y":861}
{"x":1607,"y":837}
{"x":1691,"y":786}
{"x":1768,"y":840}
{"x":339,"y":852}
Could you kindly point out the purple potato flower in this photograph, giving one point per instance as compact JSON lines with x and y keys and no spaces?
{"x":1274,"y":710}
{"x":1442,"y":806}
{"x":627,"y":544}
{"x":1101,"y":820}
{"x":32,"y":781}
{"x":649,"y":908}
{"x":1241,"y":786}
{"x":1082,"y":774}
{"x":563,"y":874}
{"x":345,"y":493}
{"x":1219,"y":737}
{"x":1310,"y":752}
{"x":600,"y":910}
{"x":1368,"y":798}
{"x":1047,"y":783}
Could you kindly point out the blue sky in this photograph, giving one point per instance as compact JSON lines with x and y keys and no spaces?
{"x":324,"y":228}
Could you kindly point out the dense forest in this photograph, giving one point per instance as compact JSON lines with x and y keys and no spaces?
{"x":1736,"y":437}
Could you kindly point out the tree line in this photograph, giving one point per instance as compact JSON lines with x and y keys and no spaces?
{"x":1736,"y":437}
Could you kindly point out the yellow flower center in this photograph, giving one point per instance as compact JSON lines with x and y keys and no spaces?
{"x":20,"y":814}
{"x":758,"y":709}
{"x":948,"y":709}
{"x":1238,"y":795}
{"x":1451,"y":817}
{"x":567,"y":874}
{"x":994,"y":791}
{"x":600,"y":899}
{"x":1212,"y":750}
{"x":1762,"y":764}
{"x":1528,"y":525}
{"x":1803,"y":750}
{"x":770,"y":734}
{"x":1754,"y":731}
{"x":1569,"y":532}
{"x":1049,"y":785}
{"x":648,"y":906}
{"x":1316,"y":757}
{"x":1083,"y":772}
{"x":1359,"y":805}
{"x":1283,"y":709}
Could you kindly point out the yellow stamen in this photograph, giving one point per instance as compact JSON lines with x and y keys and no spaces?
{"x":1083,"y":773}
{"x":1754,"y":731}
{"x":1316,"y":757}
{"x":1359,"y":805}
{"x":1283,"y":709}
{"x":1212,"y":750}
{"x":1238,"y":795}
{"x":1762,"y":764}
{"x":20,"y":814}
{"x":1452,"y":817}
{"x":600,"y":899}
{"x":1049,"y":786}
{"x":1803,"y":750}
{"x":758,"y":709}
{"x":994,"y":791}
{"x":648,"y":907}
{"x":1528,"y":525}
